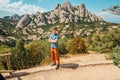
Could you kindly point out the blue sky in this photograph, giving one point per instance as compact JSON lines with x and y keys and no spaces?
{"x":9,"y":7}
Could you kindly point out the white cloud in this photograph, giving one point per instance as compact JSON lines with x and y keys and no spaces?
{"x":109,"y":17}
{"x":40,"y":0}
{"x":19,"y":7}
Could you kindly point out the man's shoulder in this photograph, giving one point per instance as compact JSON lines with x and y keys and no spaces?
{"x":57,"y":34}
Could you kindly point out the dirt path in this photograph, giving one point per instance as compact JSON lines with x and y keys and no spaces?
{"x":106,"y":72}
{"x":80,"y":67}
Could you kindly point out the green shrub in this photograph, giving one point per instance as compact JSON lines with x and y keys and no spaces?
{"x":77,"y":45}
{"x":62,"y":46}
{"x":33,"y":54}
{"x":4,"y":49}
{"x":115,"y":55}
{"x":68,"y":44}
{"x":103,"y":42}
{"x":39,"y":52}
{"x":19,"y":57}
{"x":2,"y":65}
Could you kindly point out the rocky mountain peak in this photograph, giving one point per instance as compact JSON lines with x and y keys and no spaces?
{"x":82,"y":5}
{"x":58,"y":6}
{"x":15,"y":17}
{"x":37,"y":13}
{"x":64,"y":13}
{"x":68,"y":7}
{"x":66,"y":4}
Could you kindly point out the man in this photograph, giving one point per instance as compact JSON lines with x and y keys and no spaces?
{"x":54,"y":48}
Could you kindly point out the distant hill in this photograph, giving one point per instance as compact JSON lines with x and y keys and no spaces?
{"x":13,"y":17}
{"x":7,"y":26}
{"x":65,"y":30}
{"x":6,"y":29}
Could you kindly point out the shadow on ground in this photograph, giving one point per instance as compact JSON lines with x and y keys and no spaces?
{"x":70,"y":65}
{"x":20,"y":74}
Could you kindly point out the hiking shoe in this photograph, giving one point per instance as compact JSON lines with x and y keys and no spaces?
{"x":53,"y":64}
{"x":57,"y":67}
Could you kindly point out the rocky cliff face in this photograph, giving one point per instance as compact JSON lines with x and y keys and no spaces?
{"x":24,"y":21}
{"x":64,"y":13}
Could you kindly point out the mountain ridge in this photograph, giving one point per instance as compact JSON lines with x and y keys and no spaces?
{"x":34,"y":27}
{"x":64,"y":13}
{"x":13,"y":17}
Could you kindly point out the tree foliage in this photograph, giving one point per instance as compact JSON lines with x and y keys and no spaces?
{"x":19,"y":57}
{"x":39,"y":51}
{"x":103,"y":42}
{"x":77,"y":45}
{"x":115,"y":55}
{"x":29,"y":55}
{"x":63,"y":46}
{"x":114,"y":9}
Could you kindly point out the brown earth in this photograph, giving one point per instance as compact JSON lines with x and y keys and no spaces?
{"x":78,"y":67}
